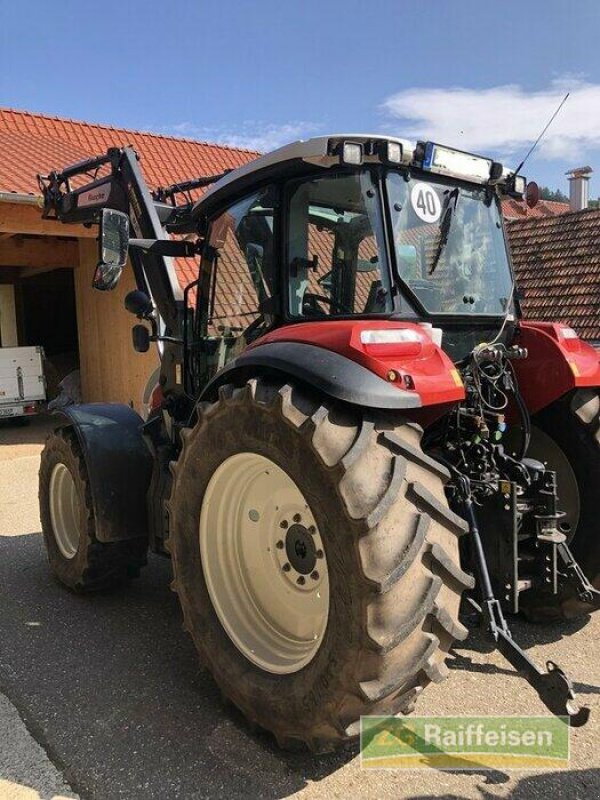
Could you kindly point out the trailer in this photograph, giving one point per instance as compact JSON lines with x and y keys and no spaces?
{"x":22,"y":381}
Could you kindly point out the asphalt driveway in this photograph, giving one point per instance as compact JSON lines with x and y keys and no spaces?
{"x":109,"y":686}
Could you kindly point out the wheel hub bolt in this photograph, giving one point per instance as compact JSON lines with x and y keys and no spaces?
{"x":283,"y":523}
{"x":312,"y":529}
{"x":286,"y":568}
{"x":314,"y":575}
{"x":279,"y":545}
{"x":297,"y":518}
{"x":301,"y":580}
{"x":319,"y":554}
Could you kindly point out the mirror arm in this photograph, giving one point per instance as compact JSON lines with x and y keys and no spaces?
{"x":172,"y":339}
{"x":177,"y":248}
{"x":141,"y":337}
{"x":150,"y":316}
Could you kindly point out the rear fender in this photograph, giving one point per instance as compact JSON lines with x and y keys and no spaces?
{"x":416,"y":365}
{"x":119,"y":466}
{"x":330,"y":357}
{"x":557,"y":362}
{"x":328,"y":372}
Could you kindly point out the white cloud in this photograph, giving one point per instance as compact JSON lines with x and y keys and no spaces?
{"x":252,"y":135}
{"x":503,"y":119}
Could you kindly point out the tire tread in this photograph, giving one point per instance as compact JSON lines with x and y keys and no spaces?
{"x":397,"y":654}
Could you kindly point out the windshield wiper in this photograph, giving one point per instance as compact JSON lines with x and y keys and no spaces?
{"x":445,"y":228}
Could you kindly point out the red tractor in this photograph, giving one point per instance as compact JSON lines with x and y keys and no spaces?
{"x":353,"y":427}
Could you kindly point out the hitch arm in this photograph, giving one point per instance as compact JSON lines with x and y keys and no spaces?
{"x":553,"y":687}
{"x":585,"y":591}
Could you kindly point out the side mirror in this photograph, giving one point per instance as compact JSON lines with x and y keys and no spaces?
{"x":113,"y":241}
{"x":140,"y":336}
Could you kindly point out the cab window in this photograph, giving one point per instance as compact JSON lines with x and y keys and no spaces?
{"x":241,"y":243}
{"x":335,"y":248}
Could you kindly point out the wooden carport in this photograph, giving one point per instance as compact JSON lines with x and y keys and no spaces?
{"x":31,"y":246}
{"x":35,"y":253}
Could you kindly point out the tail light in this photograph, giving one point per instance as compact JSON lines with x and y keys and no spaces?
{"x":569,"y":338}
{"x":392,"y":342}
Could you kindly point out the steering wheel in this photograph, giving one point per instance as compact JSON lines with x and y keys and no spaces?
{"x":320,"y":298}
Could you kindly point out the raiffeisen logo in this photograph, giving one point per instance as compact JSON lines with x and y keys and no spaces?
{"x":94,"y":196}
{"x":464,"y":743}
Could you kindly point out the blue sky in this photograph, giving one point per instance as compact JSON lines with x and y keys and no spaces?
{"x":483,"y":76}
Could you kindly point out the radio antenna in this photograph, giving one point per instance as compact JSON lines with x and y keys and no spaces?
{"x":535,"y":144}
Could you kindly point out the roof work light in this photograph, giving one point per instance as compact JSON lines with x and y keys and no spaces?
{"x":516,"y":186}
{"x":352,"y":153}
{"x":392,"y":152}
{"x":446,"y":161}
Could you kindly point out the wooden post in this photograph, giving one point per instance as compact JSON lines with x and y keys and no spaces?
{"x":111,"y":370}
{"x":8,"y":316}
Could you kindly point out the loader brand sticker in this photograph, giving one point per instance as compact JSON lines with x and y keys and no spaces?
{"x":425,"y":202}
{"x":92,"y":197}
{"x":464,"y":742}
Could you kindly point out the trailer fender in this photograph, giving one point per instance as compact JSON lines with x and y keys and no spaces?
{"x":328,"y":371}
{"x":119,"y":466}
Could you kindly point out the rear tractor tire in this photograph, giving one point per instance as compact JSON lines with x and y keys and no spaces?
{"x":316,"y":560}
{"x":75,"y":555}
{"x":566,"y":436}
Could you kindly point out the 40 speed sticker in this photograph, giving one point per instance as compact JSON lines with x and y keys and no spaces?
{"x":425,"y":202}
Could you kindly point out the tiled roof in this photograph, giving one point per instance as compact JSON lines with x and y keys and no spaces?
{"x":32,"y":143}
{"x":557,"y":263}
{"x":518,"y":209}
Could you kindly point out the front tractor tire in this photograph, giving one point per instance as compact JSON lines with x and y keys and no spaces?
{"x":75,"y":555}
{"x":316,"y":560}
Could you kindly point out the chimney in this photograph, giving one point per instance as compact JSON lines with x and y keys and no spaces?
{"x":579,"y":190}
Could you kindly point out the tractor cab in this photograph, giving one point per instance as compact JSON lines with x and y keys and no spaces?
{"x":366,"y":228}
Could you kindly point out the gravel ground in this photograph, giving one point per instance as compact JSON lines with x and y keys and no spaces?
{"x":110,"y":687}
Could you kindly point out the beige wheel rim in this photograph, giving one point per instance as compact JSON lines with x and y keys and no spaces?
{"x":264,"y":563}
{"x":65,"y":510}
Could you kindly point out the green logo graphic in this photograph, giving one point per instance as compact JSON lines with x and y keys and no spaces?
{"x":464,"y":742}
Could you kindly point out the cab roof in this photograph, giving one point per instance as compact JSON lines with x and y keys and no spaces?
{"x":318,"y":151}
{"x":355,"y":149}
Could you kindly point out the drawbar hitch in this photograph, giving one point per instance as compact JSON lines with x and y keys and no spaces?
{"x":553,"y":686}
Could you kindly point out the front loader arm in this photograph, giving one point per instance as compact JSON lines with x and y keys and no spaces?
{"x":122,"y":187}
